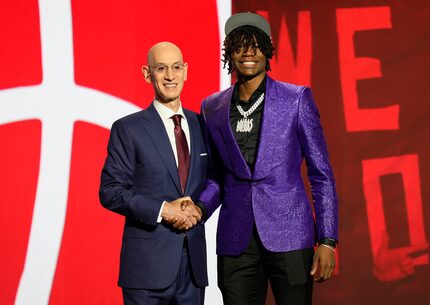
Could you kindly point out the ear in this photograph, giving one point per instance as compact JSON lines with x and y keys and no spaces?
{"x":185,"y":70}
{"x":146,"y":74}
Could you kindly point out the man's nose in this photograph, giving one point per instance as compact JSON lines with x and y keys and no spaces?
{"x":169,"y":73}
{"x":248,"y":51}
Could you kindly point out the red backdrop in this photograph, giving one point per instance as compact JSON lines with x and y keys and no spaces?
{"x":367,"y":63}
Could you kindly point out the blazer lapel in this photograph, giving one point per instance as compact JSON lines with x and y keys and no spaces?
{"x":237,"y":162}
{"x":267,"y":140}
{"x":195,"y":138}
{"x":156,"y":130}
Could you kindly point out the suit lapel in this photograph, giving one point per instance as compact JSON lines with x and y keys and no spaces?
{"x":195,"y":138}
{"x":157,"y":132}
{"x":237,"y":162}
{"x":267,"y":140}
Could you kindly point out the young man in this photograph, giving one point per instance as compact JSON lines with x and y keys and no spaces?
{"x":154,"y":157}
{"x":258,"y":132}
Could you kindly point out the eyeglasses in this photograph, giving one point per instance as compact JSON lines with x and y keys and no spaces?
{"x":162,"y":69}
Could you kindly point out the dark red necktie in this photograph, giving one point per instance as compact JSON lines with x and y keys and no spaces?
{"x":182,"y":150}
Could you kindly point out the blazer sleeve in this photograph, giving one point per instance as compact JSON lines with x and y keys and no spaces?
{"x":210,"y":195}
{"x":117,"y":190}
{"x":319,"y":171}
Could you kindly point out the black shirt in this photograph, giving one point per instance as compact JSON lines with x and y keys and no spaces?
{"x":247,"y":141}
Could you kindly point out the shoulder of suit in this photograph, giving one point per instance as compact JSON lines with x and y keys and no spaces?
{"x":189,"y":112}
{"x":213,"y":99}
{"x":291,"y":88}
{"x":131,"y":118}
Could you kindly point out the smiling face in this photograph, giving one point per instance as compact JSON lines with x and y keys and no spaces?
{"x":166,"y":71}
{"x":247,"y":41}
{"x":249,"y":62}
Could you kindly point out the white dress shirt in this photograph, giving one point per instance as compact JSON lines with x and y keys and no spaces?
{"x":166,"y":114}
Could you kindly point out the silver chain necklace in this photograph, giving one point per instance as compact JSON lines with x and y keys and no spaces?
{"x":245,"y":124}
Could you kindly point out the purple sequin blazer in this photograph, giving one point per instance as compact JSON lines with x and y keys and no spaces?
{"x":273,"y":196}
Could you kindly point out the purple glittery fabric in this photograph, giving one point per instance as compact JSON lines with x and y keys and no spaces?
{"x":273,"y":196}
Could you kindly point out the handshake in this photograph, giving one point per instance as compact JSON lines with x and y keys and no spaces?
{"x":181,"y":213}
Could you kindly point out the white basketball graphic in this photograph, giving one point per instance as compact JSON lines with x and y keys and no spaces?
{"x":60,"y":103}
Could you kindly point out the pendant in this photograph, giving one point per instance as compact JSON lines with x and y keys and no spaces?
{"x":244,"y":125}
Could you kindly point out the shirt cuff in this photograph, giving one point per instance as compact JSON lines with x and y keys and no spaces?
{"x":159,"y":219}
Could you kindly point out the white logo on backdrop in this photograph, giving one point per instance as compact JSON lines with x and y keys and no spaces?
{"x":58,"y":102}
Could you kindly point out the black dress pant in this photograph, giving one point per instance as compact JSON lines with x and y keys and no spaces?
{"x":243,"y":279}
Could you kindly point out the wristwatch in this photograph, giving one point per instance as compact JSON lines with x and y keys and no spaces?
{"x":328,"y":241}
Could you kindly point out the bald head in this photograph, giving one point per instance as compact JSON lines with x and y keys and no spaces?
{"x":164,"y":51}
{"x":167,"y":72}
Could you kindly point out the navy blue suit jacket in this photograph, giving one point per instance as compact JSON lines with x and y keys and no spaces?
{"x":140,"y":172}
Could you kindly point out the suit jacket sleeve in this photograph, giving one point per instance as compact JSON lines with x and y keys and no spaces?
{"x":210,"y":195}
{"x":117,"y":190}
{"x":319,"y":171}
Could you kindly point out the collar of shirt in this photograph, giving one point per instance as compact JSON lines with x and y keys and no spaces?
{"x":166,"y":117}
{"x":255,"y":95}
{"x":166,"y":113}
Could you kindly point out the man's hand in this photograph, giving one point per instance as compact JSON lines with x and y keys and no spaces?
{"x":196,"y":215}
{"x":325,"y":261}
{"x":395,"y":264}
{"x":195,"y":210}
{"x":181,"y":213}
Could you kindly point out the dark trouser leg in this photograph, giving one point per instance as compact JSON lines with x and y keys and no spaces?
{"x":289,"y":276}
{"x":187,"y":293}
{"x":146,"y":297}
{"x":182,"y":291}
{"x":241,"y":279}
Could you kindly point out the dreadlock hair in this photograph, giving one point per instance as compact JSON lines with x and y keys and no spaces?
{"x":247,"y":36}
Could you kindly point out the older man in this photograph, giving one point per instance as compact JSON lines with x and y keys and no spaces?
{"x":156,"y":164}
